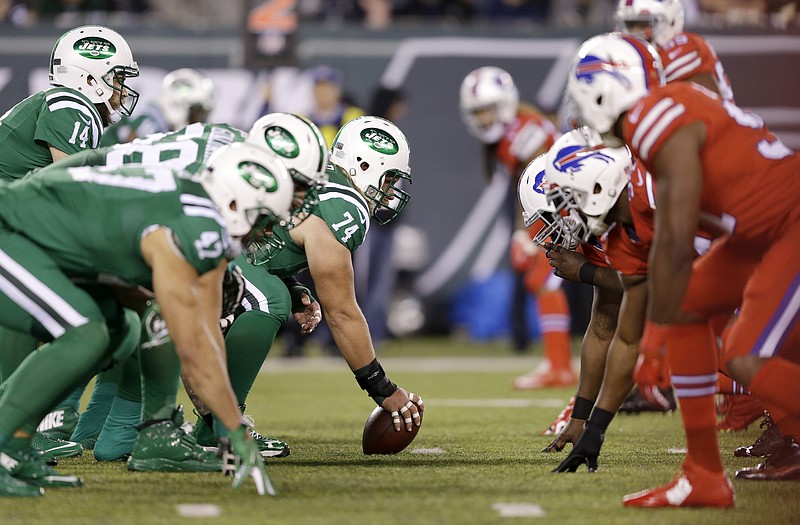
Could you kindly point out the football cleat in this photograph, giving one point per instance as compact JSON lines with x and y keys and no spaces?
{"x":635,"y":403}
{"x":740,"y":411}
{"x":766,"y":444}
{"x":783,"y":464}
{"x":162,"y":446}
{"x":545,"y":377}
{"x":267,"y":447}
{"x":54,"y":448}
{"x":11,"y":486}
{"x":59,"y":424}
{"x":27,"y":465}
{"x":561,"y":420}
{"x":695,"y":487}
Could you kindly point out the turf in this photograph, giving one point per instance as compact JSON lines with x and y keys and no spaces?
{"x":481,"y":449}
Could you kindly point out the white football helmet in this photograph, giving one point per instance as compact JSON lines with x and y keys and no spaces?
{"x":537,"y":211}
{"x":186,"y":97}
{"x":657,"y":21}
{"x":298,"y":142}
{"x":89,"y":59}
{"x":608,"y":75}
{"x":488,"y":89}
{"x":589,"y":178}
{"x":250,"y":186}
{"x":376,"y":156}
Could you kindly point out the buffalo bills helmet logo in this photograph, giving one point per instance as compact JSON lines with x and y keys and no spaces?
{"x":590,"y":65}
{"x":539,"y":183}
{"x":571,"y":158}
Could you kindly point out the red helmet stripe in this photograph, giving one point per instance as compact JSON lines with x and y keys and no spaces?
{"x":652,"y":66}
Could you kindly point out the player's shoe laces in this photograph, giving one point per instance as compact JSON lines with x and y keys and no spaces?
{"x":783,"y":464}
{"x":26,"y":464}
{"x":59,"y":424}
{"x":162,"y":446}
{"x":695,"y":487}
{"x":740,"y":411}
{"x":561,"y":421}
{"x":544,"y":376}
{"x":635,"y":403}
{"x":11,"y":486}
{"x":766,"y":444}
{"x":54,"y":448}
{"x":267,"y":447}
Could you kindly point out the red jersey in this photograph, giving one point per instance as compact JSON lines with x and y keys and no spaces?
{"x":687,"y":55}
{"x":528,"y":133}
{"x":627,"y":247}
{"x":751,"y":180}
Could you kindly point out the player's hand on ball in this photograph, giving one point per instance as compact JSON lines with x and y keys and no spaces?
{"x":406,"y":409}
{"x":242,"y":460}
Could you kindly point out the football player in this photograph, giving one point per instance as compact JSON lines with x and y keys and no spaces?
{"x":714,"y":165}
{"x":186,"y":97}
{"x":288,"y":137}
{"x":686,"y":56}
{"x":513,"y":134}
{"x":367,"y":174}
{"x":163,"y":229}
{"x":89,"y":69}
{"x":576,"y":261}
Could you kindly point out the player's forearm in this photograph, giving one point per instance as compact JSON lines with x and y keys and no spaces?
{"x":669,"y":271}
{"x":618,"y":377}
{"x":351,"y":333}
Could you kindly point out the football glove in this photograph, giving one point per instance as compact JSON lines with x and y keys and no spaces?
{"x":241,"y":459}
{"x":650,"y":370}
{"x":232,"y":290}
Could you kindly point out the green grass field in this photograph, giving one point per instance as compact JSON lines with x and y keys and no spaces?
{"x":478,"y":450}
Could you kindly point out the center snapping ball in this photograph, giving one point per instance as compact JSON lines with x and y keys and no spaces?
{"x":380,"y":437}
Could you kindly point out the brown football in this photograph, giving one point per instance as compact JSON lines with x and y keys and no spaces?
{"x":380,"y":437}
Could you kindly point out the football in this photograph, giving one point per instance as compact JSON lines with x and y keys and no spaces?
{"x":380,"y":436}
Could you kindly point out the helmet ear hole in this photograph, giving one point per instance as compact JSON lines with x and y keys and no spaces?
{"x":364,"y":166}
{"x":597,"y":188}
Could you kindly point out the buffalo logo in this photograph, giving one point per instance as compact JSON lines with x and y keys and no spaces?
{"x":590,"y":65}
{"x":258,"y":176}
{"x":539,"y":183}
{"x":281,"y":142}
{"x":380,"y":141}
{"x":95,"y":48}
{"x":571,"y":158}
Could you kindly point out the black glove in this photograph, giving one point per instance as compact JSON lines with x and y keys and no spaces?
{"x":586,"y":450}
{"x":232,"y":290}
{"x":297,"y":290}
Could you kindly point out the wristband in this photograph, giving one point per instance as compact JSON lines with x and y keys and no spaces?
{"x":373,"y":379}
{"x":582,"y":408}
{"x":586,"y":273}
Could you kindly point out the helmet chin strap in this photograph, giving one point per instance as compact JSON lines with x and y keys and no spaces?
{"x":114,"y":115}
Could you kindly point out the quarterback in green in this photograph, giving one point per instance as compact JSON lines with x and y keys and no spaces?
{"x":88,"y":69}
{"x":163,"y":229}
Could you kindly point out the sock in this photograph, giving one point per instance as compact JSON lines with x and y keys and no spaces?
{"x":778,"y":384}
{"x":554,"y":323}
{"x":73,"y":400}
{"x":160,"y":380}
{"x":119,"y":431}
{"x":48,"y":374}
{"x":248,"y":343}
{"x":91,"y":420}
{"x":693,"y":360}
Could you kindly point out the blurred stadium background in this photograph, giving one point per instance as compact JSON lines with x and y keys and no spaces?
{"x":450,"y":248}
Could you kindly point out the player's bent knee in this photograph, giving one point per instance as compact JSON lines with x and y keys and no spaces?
{"x":744,"y":368}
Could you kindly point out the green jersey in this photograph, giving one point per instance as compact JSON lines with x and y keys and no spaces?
{"x":91,"y":220}
{"x":59,"y":117}
{"x":343,"y":209}
{"x":148,"y":121}
{"x":187,"y":149}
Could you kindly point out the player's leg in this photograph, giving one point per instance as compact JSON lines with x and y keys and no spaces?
{"x":554,"y":325}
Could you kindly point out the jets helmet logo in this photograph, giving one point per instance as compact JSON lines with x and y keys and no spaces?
{"x":282,"y":142}
{"x":380,"y":141}
{"x":95,"y":48}
{"x":258,"y":176}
